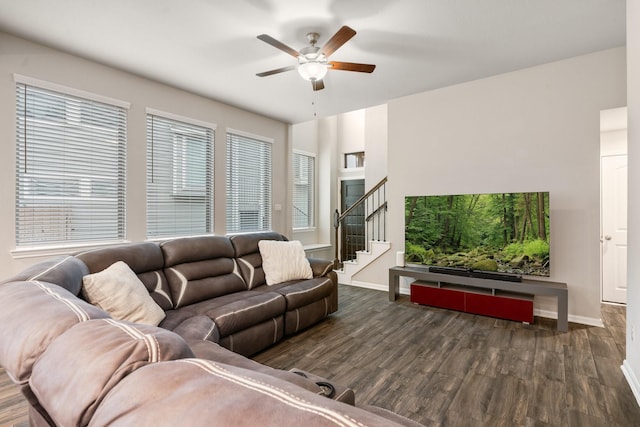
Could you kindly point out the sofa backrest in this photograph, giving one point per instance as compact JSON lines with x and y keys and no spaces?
{"x":80,"y":367}
{"x":248,"y":256}
{"x":32,"y":315}
{"x":200,"y":268}
{"x":65,"y":271}
{"x":145,"y":259}
{"x":212,"y":393}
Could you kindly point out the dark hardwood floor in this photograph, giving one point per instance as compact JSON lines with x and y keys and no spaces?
{"x":444,"y":368}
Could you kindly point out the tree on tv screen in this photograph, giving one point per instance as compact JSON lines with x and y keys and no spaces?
{"x":507,"y":232}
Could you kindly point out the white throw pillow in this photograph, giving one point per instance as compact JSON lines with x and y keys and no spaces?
{"x":118,"y":291}
{"x":283,"y":261}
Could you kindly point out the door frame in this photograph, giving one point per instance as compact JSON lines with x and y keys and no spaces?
{"x":611,"y":120}
{"x":355,"y":177}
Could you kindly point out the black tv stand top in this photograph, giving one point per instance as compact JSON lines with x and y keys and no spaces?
{"x":480,"y":274}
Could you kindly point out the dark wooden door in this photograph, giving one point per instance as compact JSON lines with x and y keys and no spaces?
{"x":353,"y":231}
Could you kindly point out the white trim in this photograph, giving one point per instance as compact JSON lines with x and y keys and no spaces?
{"x":39,"y":251}
{"x":348,"y":177}
{"x":634,"y":384}
{"x":305,"y":153}
{"x":404,"y":290}
{"x":250,"y":135}
{"x":316,"y":247}
{"x":180,"y":118}
{"x":304,"y":229}
{"x":42,"y":84}
{"x":590,"y":321}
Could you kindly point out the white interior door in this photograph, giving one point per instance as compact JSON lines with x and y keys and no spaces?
{"x":614,"y":228}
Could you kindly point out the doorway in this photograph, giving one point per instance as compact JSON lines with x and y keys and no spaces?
{"x":352,"y":234}
{"x":613,"y":205}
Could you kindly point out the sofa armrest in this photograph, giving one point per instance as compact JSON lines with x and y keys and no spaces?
{"x":320,"y":267}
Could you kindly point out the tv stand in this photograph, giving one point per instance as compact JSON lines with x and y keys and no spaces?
{"x":525,"y":286}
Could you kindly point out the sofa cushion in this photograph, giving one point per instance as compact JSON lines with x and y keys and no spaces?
{"x":192,"y":327}
{"x":145,"y":259}
{"x":248,"y":256}
{"x":118,"y":291}
{"x":283,"y":261}
{"x":200,"y":268}
{"x":197,"y":392}
{"x":81,"y":366}
{"x":299,"y":293}
{"x":32,"y":315}
{"x":234,"y":312}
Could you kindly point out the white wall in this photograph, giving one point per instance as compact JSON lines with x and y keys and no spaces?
{"x":536,"y":129}
{"x":18,"y":56}
{"x":375,"y":144}
{"x":631,"y":366}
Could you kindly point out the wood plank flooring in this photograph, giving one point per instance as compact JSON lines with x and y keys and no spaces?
{"x":444,"y":368}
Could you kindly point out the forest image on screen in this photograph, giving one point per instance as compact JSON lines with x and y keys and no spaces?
{"x":502,"y":232}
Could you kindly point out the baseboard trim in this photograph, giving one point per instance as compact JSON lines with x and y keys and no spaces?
{"x":631,"y":379}
{"x":589,"y":321}
{"x":405,"y":290}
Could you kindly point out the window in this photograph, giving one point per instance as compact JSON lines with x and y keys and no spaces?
{"x":303,"y":182}
{"x":248,"y":183}
{"x":354,"y":160}
{"x":70,"y":168}
{"x":179,"y":178}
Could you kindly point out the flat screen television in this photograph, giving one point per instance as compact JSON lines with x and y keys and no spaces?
{"x":497,"y":232}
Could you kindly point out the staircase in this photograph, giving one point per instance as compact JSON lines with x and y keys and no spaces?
{"x":370,"y":243}
{"x":363,"y":258}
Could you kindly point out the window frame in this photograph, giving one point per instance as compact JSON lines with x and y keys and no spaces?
{"x":311,"y":186}
{"x":80,"y":116}
{"x":181,"y":128}
{"x":264,"y":212}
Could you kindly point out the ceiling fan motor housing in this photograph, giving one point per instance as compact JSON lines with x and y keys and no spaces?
{"x":312,"y":66}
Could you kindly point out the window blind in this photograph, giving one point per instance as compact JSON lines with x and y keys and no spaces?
{"x":70,"y":168}
{"x":248,"y":184}
{"x":179,"y":178}
{"x":303,"y":182}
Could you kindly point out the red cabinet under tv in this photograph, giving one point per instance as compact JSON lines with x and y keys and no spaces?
{"x":487,"y":302}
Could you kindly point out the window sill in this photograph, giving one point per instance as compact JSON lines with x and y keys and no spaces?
{"x":304,"y":230}
{"x":40,"y":251}
{"x":316,"y":247}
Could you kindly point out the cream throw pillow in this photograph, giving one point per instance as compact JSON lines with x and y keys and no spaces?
{"x":283,"y":261}
{"x":118,"y":291}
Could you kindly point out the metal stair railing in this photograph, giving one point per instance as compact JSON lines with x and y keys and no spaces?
{"x":373,"y":207}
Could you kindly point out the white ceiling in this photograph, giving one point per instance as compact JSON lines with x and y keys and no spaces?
{"x":210,"y":47}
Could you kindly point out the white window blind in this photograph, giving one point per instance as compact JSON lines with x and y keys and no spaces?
{"x":70,"y":169}
{"x":248,"y":184}
{"x":179,"y":178}
{"x":303,"y":182}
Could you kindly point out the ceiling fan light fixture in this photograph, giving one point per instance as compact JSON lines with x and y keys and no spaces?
{"x":312,"y":70}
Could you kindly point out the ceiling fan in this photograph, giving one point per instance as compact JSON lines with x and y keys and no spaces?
{"x":313,"y":62}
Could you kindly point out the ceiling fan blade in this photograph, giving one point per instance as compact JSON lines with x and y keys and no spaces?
{"x":352,"y":66}
{"x":279,"y":45}
{"x":341,"y":37}
{"x":317,"y":84}
{"x":277,"y":70}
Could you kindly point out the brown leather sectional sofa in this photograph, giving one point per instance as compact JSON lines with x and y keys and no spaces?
{"x":78,"y":366}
